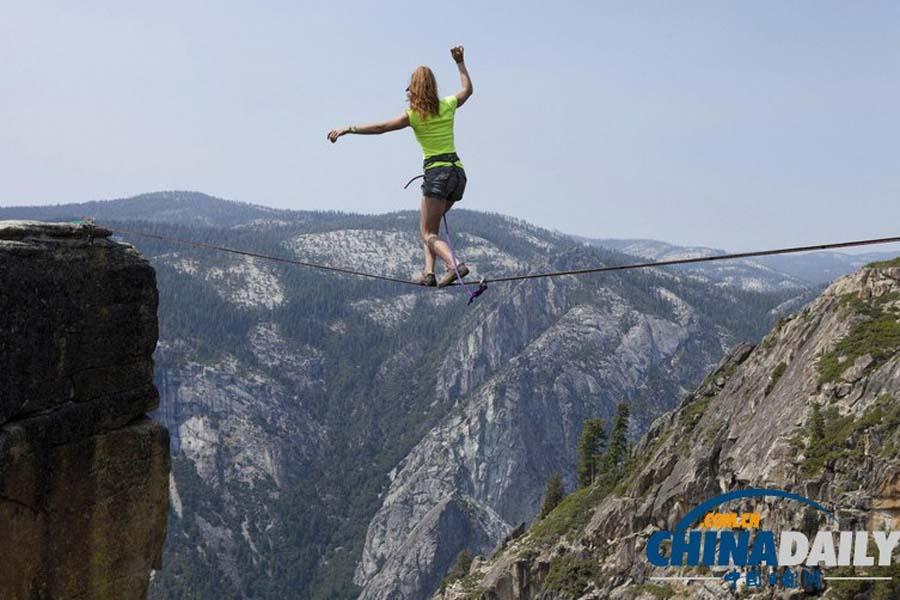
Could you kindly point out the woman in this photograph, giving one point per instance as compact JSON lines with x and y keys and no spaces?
{"x":445,"y":180}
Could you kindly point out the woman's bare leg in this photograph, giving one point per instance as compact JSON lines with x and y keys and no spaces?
{"x":429,"y":224}
{"x":429,"y":259}
{"x":429,"y":255}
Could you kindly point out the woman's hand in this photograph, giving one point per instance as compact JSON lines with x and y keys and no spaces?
{"x":334,"y":134}
{"x":457,"y":53}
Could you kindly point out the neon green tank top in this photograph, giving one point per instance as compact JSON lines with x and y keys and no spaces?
{"x":435,"y":133}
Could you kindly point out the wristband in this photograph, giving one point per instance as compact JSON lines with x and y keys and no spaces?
{"x":352,"y":129}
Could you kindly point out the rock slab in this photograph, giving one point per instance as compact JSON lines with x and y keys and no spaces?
{"x":83,"y":472}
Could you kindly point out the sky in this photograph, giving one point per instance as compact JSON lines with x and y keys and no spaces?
{"x":725,"y":124}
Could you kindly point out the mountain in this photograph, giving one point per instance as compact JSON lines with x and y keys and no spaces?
{"x":812,"y":410}
{"x":823,"y":267}
{"x":157,"y":207}
{"x":339,"y":437}
{"x":808,"y":270}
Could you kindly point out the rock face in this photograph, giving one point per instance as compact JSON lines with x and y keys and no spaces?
{"x":454,"y":523}
{"x":83,"y":473}
{"x":749,"y":425}
{"x":520,"y":420}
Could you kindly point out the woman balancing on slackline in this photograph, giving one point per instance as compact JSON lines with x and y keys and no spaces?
{"x":431,"y":118}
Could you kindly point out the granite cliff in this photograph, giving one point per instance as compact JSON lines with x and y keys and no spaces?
{"x":83,"y":472}
{"x":813,"y":409}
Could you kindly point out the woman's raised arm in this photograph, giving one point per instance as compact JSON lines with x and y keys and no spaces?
{"x":372,"y":129}
{"x":461,"y":97}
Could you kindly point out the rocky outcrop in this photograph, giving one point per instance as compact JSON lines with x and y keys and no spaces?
{"x":83,"y":472}
{"x":747,"y":426}
{"x":455,"y":523}
{"x":526,"y":398}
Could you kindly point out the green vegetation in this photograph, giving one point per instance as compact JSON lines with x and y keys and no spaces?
{"x":661,"y":592}
{"x":882,"y":264}
{"x":571,"y":575}
{"x":725,"y":373}
{"x":876,"y":334}
{"x":617,"y":451}
{"x":688,"y":419}
{"x":553,"y":495}
{"x":690,"y":416}
{"x":871,"y":590}
{"x":772,"y":337}
{"x":572,"y":514}
{"x":590,"y":451}
{"x":769,"y":341}
{"x":636,"y":462}
{"x":830,"y":433}
{"x":459,"y":569}
{"x":775,"y":377}
{"x":526,"y":553}
{"x":468,"y":585}
{"x":817,"y":425}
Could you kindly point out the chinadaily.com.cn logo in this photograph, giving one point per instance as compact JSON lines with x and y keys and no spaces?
{"x":739,"y":545}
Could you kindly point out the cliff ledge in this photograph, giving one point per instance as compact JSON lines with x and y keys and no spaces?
{"x":83,"y":471}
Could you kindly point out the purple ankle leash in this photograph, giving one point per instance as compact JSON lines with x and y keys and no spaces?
{"x":482,"y":285}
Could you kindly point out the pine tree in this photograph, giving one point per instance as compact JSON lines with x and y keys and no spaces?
{"x":590,"y":446}
{"x":816,"y":425}
{"x":554,"y":494}
{"x":618,"y":442}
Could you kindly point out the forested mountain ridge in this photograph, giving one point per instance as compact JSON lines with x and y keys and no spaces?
{"x":327,"y":428}
{"x":161,"y":207}
{"x":765,"y":273}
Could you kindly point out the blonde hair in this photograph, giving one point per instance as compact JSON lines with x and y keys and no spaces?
{"x":423,"y":93}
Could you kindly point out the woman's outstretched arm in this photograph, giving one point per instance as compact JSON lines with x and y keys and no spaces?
{"x":372,"y":129}
{"x":461,"y":97}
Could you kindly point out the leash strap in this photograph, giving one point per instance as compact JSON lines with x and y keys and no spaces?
{"x":482,"y":285}
{"x":413,"y":179}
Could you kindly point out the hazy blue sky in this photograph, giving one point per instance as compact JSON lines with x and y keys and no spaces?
{"x":729,"y":124}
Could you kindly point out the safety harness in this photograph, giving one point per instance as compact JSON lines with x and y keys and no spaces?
{"x":450,"y":157}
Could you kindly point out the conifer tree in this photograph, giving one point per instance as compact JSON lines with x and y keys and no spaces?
{"x":590,"y":447}
{"x":554,"y":494}
{"x":618,"y":440}
{"x":816,"y":425}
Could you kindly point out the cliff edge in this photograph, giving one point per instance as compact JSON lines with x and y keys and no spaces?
{"x":813,"y":410}
{"x":83,"y":472}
